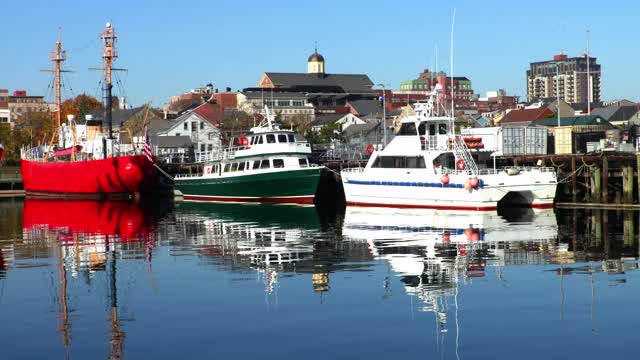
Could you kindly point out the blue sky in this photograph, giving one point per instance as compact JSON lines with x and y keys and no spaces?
{"x":171,"y":46}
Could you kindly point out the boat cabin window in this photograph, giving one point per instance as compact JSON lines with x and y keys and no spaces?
{"x":241,"y":166}
{"x":234,"y":167}
{"x":303,"y":162}
{"x":260,"y":141}
{"x":291,"y":138}
{"x":442,"y":129}
{"x":264,"y":164}
{"x":446,"y":160}
{"x":407,"y":129}
{"x":256,"y":165}
{"x":399,"y":162}
{"x":278,"y":163}
{"x":227,"y":167}
{"x":252,"y":141}
{"x":282,"y":138}
{"x":271,"y":139}
{"x":422,"y":128}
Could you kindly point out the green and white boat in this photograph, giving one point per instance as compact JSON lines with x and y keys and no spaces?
{"x":269,"y":165}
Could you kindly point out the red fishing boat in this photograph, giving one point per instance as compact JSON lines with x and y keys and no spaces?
{"x":84,"y":163}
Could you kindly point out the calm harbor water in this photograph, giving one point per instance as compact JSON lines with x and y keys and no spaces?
{"x":86,"y":280}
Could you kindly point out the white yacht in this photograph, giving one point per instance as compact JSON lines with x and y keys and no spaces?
{"x":427,"y":166}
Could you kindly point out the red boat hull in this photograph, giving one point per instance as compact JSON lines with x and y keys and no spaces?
{"x":92,"y":178}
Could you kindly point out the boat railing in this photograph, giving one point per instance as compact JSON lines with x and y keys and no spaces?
{"x":249,"y":171}
{"x":503,"y":170}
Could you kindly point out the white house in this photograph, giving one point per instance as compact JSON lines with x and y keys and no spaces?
{"x":200,"y":125}
{"x":345,"y":120}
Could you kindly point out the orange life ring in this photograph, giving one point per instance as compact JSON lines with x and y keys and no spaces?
{"x":460,"y":164}
{"x":369,"y":149}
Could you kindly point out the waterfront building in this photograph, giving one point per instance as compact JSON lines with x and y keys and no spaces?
{"x":568,"y":77}
{"x":20,"y":104}
{"x":619,"y":115}
{"x":345,"y":120}
{"x":201,"y":125}
{"x":5,"y":113}
{"x":426,"y":81}
{"x":297,"y":97}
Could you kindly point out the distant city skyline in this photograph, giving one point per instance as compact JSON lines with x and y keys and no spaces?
{"x":169,"y":50}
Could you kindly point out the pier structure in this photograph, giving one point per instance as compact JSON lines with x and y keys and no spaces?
{"x":597,"y":180}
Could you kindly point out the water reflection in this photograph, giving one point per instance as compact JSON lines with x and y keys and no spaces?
{"x":435,"y":260}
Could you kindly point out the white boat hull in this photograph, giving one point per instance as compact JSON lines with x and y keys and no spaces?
{"x":418,"y":189}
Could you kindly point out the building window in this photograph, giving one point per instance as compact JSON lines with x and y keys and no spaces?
{"x":194,"y":126}
{"x":210,"y":146}
{"x":185,"y":126}
{"x":177,"y":134}
{"x":202,"y":125}
{"x":201,"y":147}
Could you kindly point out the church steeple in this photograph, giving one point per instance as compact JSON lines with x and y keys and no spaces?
{"x":315,"y":63}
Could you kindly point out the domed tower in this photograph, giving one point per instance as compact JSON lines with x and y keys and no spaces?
{"x":315,"y":63}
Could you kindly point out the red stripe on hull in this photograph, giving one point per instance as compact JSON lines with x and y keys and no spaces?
{"x":118,"y":175}
{"x":302,"y":200}
{"x":542,"y":206}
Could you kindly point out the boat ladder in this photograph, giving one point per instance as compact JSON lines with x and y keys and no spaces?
{"x":461,"y":151}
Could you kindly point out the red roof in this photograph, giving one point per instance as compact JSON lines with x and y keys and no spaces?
{"x":526,"y":115}
{"x":213,"y":113}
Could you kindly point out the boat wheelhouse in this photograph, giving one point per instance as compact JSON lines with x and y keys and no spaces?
{"x":269,"y":164}
{"x":427,"y":166}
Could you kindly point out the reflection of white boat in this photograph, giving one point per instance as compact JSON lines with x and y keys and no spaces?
{"x":411,"y":227}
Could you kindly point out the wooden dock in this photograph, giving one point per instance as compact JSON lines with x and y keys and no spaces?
{"x":608,"y":178}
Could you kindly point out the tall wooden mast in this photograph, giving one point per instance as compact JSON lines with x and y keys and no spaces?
{"x":58,"y":56}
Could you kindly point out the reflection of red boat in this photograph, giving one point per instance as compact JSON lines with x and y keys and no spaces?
{"x":123,"y":219}
{"x":120,"y":175}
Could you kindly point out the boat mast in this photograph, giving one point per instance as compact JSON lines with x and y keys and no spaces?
{"x":58,"y":56}
{"x":109,"y":55}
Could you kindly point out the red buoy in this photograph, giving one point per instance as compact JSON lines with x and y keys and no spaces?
{"x":444,"y":179}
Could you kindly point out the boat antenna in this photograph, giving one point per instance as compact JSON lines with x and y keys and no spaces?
{"x":58,"y":56}
{"x":109,"y":55}
{"x":453,"y":113}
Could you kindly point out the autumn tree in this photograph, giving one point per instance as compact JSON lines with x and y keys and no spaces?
{"x":80,"y":106}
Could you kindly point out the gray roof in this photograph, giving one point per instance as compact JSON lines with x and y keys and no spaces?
{"x":348,"y":83}
{"x":117,"y":116}
{"x":325,"y":119}
{"x":605,"y":112}
{"x":359,"y":129}
{"x":366,"y":107}
{"x":617,"y":113}
{"x":159,"y":126}
{"x":171,"y":141}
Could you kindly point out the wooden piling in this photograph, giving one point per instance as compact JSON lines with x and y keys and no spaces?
{"x":605,"y":178}
{"x":596,"y":190}
{"x":627,"y":183}
{"x":573,"y":178}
